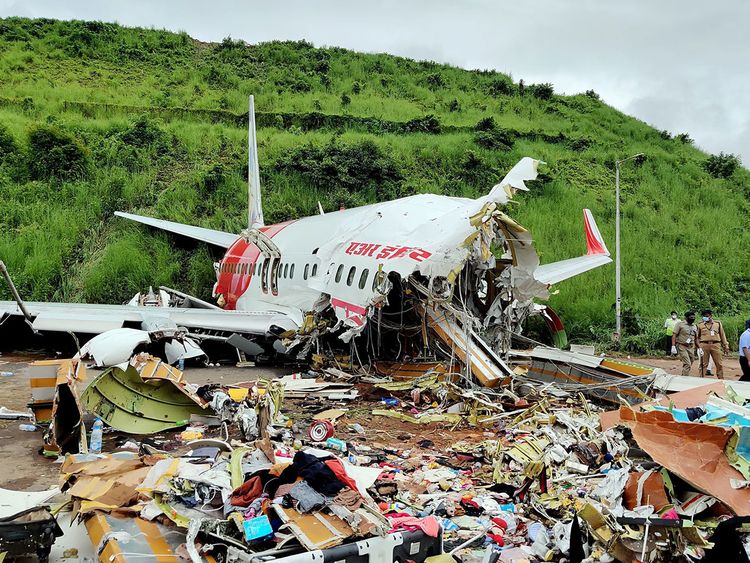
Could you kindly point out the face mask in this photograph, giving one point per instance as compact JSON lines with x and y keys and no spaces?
{"x":690,"y":320}
{"x":674,"y":317}
{"x":705,"y":319}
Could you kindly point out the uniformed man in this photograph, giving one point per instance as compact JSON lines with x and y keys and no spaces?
{"x":712,"y":341}
{"x":684,"y":338}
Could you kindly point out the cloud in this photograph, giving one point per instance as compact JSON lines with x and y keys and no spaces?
{"x":677,"y":64}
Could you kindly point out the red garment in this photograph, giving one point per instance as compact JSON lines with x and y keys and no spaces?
{"x":337,"y":467}
{"x":247,"y":492}
{"x":428,"y":525}
{"x":498,"y":539}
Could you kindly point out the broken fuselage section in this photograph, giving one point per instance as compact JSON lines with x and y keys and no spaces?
{"x":374,"y":271}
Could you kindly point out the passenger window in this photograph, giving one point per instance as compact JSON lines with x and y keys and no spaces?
{"x":291,"y":272}
{"x":350,"y":277}
{"x":314,"y":270}
{"x":363,"y":278}
{"x":306,"y":271}
{"x":339,"y":272}
{"x":286,"y":270}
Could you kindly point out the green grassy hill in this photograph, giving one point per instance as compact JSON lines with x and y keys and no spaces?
{"x":95,"y":117}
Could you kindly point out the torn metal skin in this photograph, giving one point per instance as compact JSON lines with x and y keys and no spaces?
{"x":146,"y":397}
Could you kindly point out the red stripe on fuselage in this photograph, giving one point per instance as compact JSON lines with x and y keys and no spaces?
{"x":240,"y":257}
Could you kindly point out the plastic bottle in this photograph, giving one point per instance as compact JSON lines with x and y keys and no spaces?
{"x":95,"y":445}
{"x":27,"y":427}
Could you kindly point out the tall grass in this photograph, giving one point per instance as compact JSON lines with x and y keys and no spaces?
{"x":685,"y":234}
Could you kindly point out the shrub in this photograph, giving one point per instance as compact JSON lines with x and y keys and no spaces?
{"x":426,"y":124}
{"x":496,"y":139}
{"x":543,"y":91}
{"x":580,"y":144}
{"x":435,"y":81}
{"x":356,"y":88}
{"x":454,"y":105}
{"x":721,"y":165}
{"x":145,"y":133}
{"x":591,"y":94}
{"x":353,"y":168}
{"x":54,"y":153}
{"x":7,"y":143}
{"x":684,"y":138}
{"x":345,"y":100}
{"x":486,"y":124}
{"x":490,"y":136}
{"x":501,"y":87}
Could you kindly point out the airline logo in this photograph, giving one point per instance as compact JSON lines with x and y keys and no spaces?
{"x":387,"y":252}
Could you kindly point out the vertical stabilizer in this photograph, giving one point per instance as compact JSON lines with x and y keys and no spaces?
{"x":254,"y":203}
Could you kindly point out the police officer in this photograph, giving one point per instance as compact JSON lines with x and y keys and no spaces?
{"x":684,"y":337}
{"x":711,"y":341}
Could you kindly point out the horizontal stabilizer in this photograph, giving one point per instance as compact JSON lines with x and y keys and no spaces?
{"x":217,"y":238}
{"x":597,"y":255}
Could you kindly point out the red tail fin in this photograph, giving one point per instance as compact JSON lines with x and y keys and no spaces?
{"x":594,"y":241}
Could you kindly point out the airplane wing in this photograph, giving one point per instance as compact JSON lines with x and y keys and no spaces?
{"x":597,"y":255}
{"x":95,"y":319}
{"x":218,"y":238}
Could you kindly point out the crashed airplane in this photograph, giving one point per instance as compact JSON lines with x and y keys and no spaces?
{"x":456,"y":267}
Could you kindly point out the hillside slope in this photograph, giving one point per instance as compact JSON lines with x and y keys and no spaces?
{"x":95,"y":117}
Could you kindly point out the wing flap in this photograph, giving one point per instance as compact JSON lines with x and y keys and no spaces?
{"x":217,"y":238}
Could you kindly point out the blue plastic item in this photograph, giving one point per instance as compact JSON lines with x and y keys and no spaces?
{"x":257,"y":528}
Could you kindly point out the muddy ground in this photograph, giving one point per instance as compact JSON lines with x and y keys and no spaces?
{"x":23,"y":468}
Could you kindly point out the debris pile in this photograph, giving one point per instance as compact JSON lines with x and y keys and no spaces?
{"x":409,"y":462}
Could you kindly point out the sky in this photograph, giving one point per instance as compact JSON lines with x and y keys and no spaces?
{"x":677,"y":65}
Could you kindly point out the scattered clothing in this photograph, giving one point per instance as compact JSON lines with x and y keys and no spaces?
{"x":348,"y":498}
{"x":335,"y":465}
{"x":308,"y":499}
{"x":428,"y":525}
{"x":313,"y":470}
{"x":246,"y":493}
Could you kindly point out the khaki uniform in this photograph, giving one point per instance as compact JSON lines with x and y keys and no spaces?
{"x":685,"y":336}
{"x":711,"y":339}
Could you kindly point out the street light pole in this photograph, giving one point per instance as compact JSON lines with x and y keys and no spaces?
{"x":618,"y":293}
